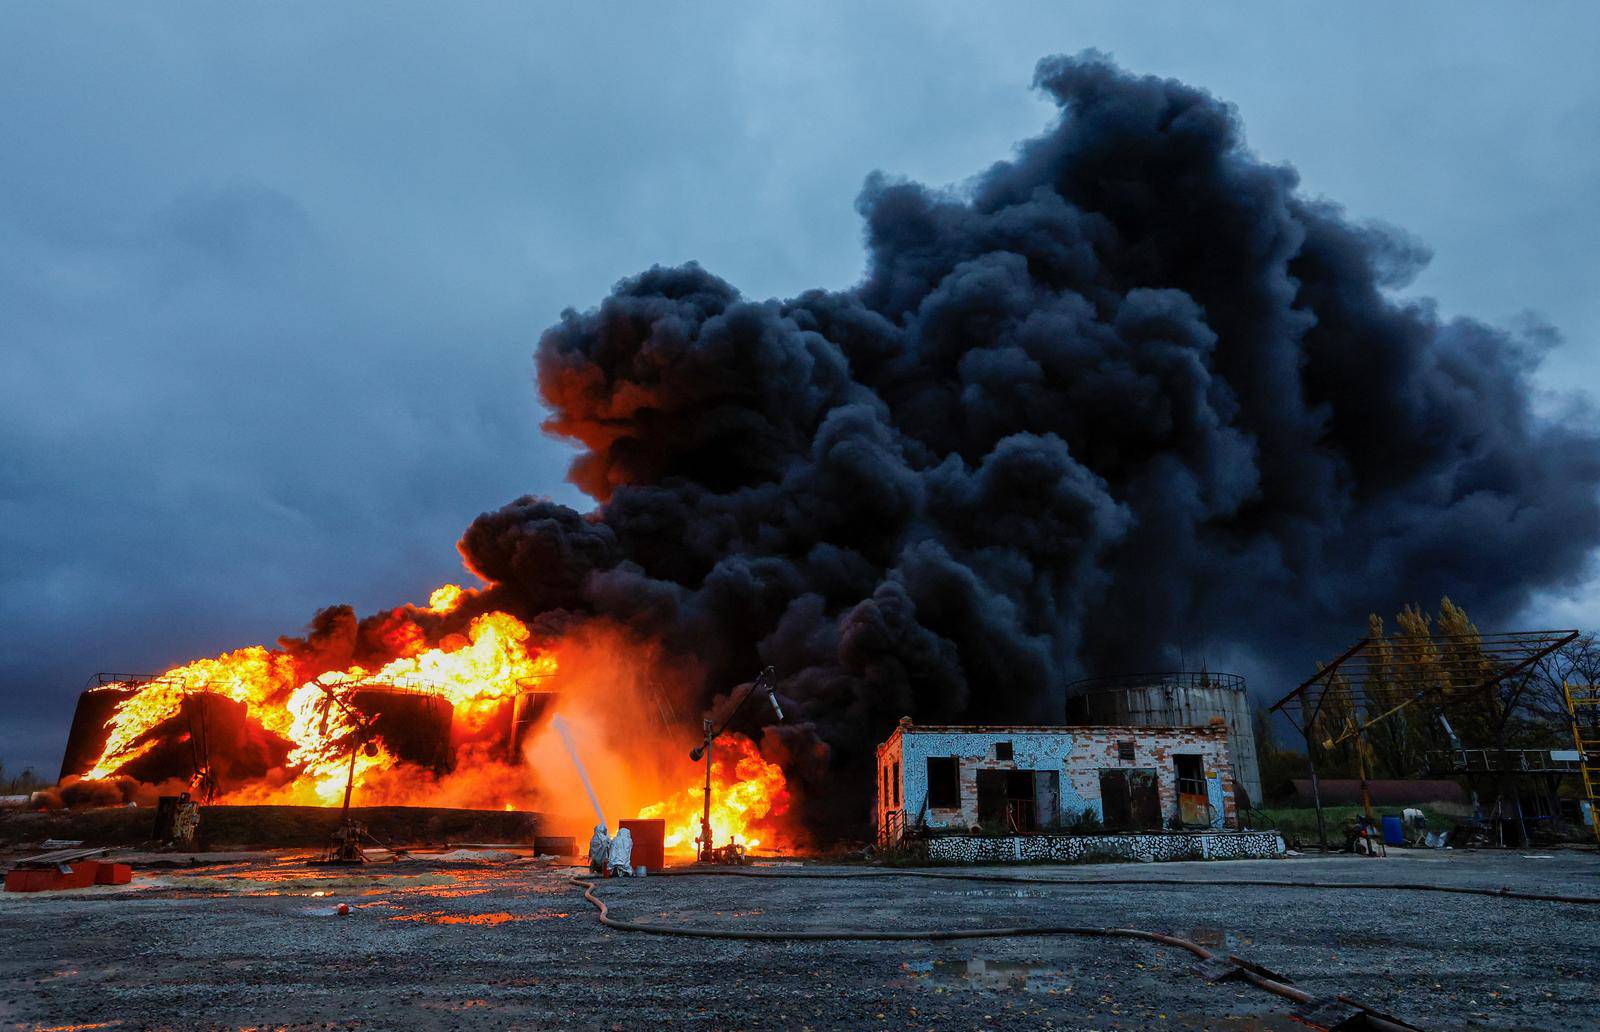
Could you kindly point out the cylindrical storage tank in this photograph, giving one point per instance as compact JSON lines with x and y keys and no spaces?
{"x":211,"y":732}
{"x":482,"y":728}
{"x":208,"y":730}
{"x":533,"y":710}
{"x":1174,"y":699}
{"x":90,"y":729}
{"x":413,"y":726}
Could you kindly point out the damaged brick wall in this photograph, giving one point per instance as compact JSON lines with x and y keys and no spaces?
{"x":1077,"y":754}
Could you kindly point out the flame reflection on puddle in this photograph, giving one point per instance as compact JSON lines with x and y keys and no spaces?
{"x":304,"y":883}
{"x":498,"y":918}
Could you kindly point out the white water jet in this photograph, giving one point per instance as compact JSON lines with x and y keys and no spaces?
{"x":572,"y":751}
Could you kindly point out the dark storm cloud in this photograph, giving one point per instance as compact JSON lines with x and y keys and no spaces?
{"x":268,"y":277}
{"x":1129,"y":391}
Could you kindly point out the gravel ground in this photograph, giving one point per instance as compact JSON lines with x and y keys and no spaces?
{"x":429,"y":944}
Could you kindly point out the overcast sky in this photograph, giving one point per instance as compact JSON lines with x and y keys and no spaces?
{"x":270,"y":280}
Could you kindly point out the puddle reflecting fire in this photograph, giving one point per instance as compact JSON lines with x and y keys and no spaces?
{"x":992,"y":974}
{"x":498,"y":918}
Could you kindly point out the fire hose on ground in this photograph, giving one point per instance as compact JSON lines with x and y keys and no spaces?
{"x":1228,"y":966}
{"x":1502,"y":892}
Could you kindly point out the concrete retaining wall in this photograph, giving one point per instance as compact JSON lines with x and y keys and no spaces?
{"x":972,"y":849}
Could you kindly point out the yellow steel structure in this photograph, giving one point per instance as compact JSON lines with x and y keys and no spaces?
{"x":1583,"y":706}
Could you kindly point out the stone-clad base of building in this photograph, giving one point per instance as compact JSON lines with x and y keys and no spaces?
{"x":1215,"y":845}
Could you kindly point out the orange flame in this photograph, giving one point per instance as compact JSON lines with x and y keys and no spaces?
{"x":446,"y":598}
{"x":747,"y":793}
{"x":244,"y":675}
{"x":493,"y":661}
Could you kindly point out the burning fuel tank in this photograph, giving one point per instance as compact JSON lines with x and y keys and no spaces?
{"x":91,"y":727}
{"x":499,"y":728}
{"x":209,"y":732}
{"x":413,"y":726}
{"x":212,"y":733}
{"x":532,"y":711}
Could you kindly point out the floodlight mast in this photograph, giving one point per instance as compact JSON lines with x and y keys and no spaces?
{"x":763,"y":682}
{"x":347,"y":840}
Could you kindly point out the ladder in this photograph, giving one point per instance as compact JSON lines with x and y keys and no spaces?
{"x":1583,"y":707}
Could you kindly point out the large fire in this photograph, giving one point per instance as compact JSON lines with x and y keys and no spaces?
{"x":745,"y":791}
{"x":478,"y":672}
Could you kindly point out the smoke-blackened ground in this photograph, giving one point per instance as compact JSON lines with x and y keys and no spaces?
{"x":1127,"y":396}
{"x":433,"y":945}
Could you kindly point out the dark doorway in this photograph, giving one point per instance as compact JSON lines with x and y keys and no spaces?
{"x":1017,"y":801}
{"x":1194,"y":808}
{"x":1146,"y":794}
{"x":1129,"y":799}
{"x":1116,"y":808}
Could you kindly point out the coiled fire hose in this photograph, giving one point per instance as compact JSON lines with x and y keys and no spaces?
{"x":1243,"y":969}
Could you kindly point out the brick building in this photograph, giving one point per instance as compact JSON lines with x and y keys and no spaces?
{"x":1022,"y":780}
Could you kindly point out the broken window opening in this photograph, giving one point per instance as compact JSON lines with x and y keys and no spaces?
{"x":1191,"y":774}
{"x":944,"y":782}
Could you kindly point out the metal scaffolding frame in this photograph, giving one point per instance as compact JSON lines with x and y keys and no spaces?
{"x":1439,"y":669}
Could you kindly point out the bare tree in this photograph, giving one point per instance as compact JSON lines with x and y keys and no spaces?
{"x":1577,"y":662}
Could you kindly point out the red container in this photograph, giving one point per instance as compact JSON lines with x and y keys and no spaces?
{"x":649,"y":841}
{"x":80,"y":876}
{"x":113,"y":874}
{"x":26,"y":881}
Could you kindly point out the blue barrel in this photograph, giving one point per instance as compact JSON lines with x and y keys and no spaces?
{"x":1394,"y":833}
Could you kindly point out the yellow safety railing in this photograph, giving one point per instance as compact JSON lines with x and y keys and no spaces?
{"x":1583,"y":707}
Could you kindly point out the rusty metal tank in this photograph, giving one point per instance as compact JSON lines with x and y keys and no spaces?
{"x":414,"y":726}
{"x":90,"y":728}
{"x":1185,"y":698}
{"x":208,"y":732}
{"x":533,"y":710}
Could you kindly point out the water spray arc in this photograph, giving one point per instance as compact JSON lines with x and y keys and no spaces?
{"x":583,"y":773}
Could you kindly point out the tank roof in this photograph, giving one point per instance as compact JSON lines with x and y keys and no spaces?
{"x":1158,"y":679}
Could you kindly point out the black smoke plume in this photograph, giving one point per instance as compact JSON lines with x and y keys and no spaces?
{"x":1126,"y":394}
